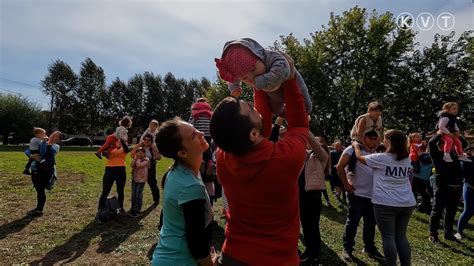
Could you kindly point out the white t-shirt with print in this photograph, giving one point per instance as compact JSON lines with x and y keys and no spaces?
{"x":391,"y":180}
{"x":362,"y":180}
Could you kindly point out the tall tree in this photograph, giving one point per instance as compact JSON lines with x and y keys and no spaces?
{"x":60,"y":83}
{"x":116,"y":92}
{"x":90,"y":93}
{"x":134,"y":101}
{"x":154,"y":100}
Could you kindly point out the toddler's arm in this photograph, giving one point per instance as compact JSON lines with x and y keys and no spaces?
{"x":282,"y":69}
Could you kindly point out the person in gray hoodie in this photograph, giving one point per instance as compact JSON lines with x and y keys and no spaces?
{"x":245,"y":60}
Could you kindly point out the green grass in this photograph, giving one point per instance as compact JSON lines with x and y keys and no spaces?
{"x":67,"y":233}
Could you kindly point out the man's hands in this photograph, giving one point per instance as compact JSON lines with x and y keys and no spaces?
{"x":349,"y":188}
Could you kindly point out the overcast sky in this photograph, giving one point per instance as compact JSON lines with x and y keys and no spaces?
{"x":125,"y":37}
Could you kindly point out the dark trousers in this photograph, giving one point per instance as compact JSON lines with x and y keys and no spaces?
{"x":359,"y":207}
{"x":423,"y":188}
{"x":310,"y":213}
{"x":393,"y":223}
{"x":40,"y":180}
{"x":445,"y":198}
{"x":113,"y":174}
{"x":153,"y":183}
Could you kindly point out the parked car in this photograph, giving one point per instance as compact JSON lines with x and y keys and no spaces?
{"x":77,"y":141}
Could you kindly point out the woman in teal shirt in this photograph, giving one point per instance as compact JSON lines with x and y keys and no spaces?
{"x":186,"y":207}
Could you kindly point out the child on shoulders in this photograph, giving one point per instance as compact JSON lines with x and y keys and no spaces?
{"x":372,"y":120}
{"x":120,"y":133}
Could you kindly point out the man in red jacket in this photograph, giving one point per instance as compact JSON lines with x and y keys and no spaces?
{"x":259,"y":178}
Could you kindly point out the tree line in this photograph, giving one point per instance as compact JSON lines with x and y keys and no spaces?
{"x":356,"y":58}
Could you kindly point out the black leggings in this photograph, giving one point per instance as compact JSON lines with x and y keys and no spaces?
{"x":40,"y":179}
{"x":153,"y":183}
{"x":111,"y":174}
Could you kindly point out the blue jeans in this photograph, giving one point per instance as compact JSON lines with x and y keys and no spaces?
{"x":468,"y":212}
{"x":393,"y":223}
{"x":359,"y":207}
{"x":137,"y":196}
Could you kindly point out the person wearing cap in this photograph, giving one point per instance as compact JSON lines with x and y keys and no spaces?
{"x":245,"y":60}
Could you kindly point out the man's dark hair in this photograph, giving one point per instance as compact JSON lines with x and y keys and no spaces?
{"x":371,"y":134}
{"x":229,"y":129}
{"x":169,"y":140}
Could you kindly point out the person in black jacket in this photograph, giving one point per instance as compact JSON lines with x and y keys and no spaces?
{"x":446,"y":189}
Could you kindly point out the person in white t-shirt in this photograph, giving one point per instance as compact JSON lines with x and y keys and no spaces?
{"x":391,"y":195}
{"x":359,"y":188}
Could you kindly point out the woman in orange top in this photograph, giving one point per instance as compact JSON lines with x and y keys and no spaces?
{"x":115,"y":172}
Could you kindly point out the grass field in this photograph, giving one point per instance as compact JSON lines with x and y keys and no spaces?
{"x":67,"y":231}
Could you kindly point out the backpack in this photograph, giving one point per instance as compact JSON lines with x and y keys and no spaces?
{"x":110,"y":209}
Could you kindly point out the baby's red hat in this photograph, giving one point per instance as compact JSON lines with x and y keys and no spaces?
{"x":237,"y":61}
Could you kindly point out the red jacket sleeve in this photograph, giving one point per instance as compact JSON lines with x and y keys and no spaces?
{"x":296,"y":115}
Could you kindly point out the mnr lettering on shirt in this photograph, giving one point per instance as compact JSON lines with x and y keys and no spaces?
{"x":397,"y":171}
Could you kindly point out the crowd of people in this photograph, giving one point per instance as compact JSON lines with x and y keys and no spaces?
{"x":273,"y":179}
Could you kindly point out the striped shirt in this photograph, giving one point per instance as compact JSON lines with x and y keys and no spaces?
{"x":201,"y":124}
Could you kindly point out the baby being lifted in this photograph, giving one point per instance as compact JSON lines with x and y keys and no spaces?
{"x":245,"y":60}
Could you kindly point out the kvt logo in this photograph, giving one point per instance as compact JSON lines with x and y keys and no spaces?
{"x":425,"y":21}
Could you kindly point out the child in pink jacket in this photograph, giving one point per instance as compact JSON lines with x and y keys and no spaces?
{"x":140,"y":164}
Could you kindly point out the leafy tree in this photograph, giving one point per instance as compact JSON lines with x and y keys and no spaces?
{"x":134,"y":101}
{"x":154,"y":99}
{"x":18,"y":116}
{"x":90,"y":95}
{"x":116,"y":92}
{"x":347,"y":64}
{"x":433,"y":76}
{"x":60,"y":83}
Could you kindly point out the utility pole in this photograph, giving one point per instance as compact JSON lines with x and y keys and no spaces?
{"x":51,"y":114}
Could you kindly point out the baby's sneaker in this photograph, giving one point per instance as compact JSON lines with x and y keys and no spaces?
{"x":98,"y":155}
{"x":105,"y":154}
{"x":447,"y":158}
{"x":464,"y":158}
